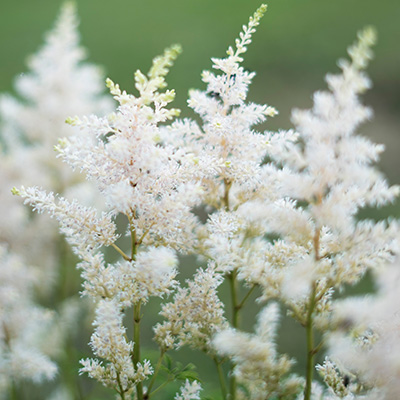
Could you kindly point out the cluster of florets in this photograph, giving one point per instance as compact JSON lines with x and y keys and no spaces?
{"x":258,"y":365}
{"x":23,"y":324}
{"x":195,"y":315}
{"x":109,"y":342}
{"x":281,"y":222}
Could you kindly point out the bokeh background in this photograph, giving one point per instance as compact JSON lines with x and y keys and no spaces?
{"x":297,"y":43}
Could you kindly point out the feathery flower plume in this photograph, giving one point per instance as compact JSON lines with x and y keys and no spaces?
{"x":23,"y":325}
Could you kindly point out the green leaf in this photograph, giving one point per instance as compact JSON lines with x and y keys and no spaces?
{"x":190,"y":375}
{"x":168,"y":362}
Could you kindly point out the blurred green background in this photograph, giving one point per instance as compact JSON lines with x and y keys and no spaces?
{"x":297,"y":43}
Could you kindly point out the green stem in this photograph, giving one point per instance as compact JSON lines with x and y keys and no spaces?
{"x":136,"y":347}
{"x":234,"y":298}
{"x":310,"y":344}
{"x":14,"y":391}
{"x":124,"y":256}
{"x":245,"y":298}
{"x":133,"y":239}
{"x":121,"y":390}
{"x":235,"y":323}
{"x":221,"y":377}
{"x":311,"y":350}
{"x":161,"y":386}
{"x":319,"y":346}
{"x":156,"y":371}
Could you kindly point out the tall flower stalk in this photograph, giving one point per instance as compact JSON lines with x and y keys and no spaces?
{"x":326,"y":178}
{"x":138,"y":178}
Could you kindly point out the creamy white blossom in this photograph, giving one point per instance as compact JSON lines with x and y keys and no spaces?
{"x":367,"y":341}
{"x":195,"y":314}
{"x":136,"y":174}
{"x":149,"y":183}
{"x":109,"y":343}
{"x":189,"y":391}
{"x":329,"y":172}
{"x":84,"y":230}
{"x":226,"y":150}
{"x":337,"y":383}
{"x":257,"y":364}
{"x":59,"y":81}
{"x":57,"y":84}
{"x":151,"y":274}
{"x":24,"y":325}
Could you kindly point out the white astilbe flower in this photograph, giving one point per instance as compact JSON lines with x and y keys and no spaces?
{"x":138,"y":176}
{"x":337,"y":383}
{"x":282,"y":217}
{"x":227,"y":156}
{"x":226,"y":151}
{"x":150,"y":184}
{"x":58,"y":83}
{"x":23,"y":325}
{"x":155,"y":270}
{"x":336,"y":177}
{"x":224,"y":241}
{"x":257,"y":364}
{"x":195,"y":314}
{"x":84,"y":230}
{"x":326,"y":179}
{"x":371,"y":350}
{"x":109,"y":343}
{"x":319,"y":393}
{"x":28,"y":363}
{"x":152,"y":273}
{"x":301,"y":274}
{"x":281,"y":214}
{"x":189,"y":391}
{"x":235,"y":246}
{"x":266,"y":264}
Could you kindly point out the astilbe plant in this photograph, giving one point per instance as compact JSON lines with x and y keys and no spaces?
{"x":58,"y":80}
{"x":148,"y":184}
{"x":302,"y":187}
{"x":35,"y":262}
